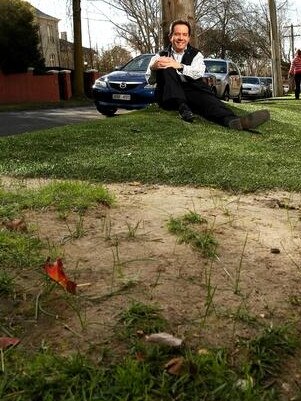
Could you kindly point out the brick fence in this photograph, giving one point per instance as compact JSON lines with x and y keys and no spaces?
{"x":51,"y":87}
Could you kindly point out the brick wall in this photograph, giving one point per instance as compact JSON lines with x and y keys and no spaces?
{"x":27,"y":88}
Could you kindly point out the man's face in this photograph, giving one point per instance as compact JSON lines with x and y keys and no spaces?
{"x":179,"y":38}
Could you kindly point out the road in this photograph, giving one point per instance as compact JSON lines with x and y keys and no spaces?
{"x":18,"y":122}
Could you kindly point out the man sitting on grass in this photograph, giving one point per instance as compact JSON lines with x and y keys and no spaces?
{"x":178,"y":72}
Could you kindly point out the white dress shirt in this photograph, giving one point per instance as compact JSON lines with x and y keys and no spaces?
{"x":195,"y":70}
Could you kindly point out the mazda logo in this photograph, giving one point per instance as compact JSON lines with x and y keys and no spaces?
{"x":122,"y":85}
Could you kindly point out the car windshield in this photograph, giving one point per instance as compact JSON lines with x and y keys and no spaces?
{"x":250,"y":80}
{"x":139,"y":63}
{"x":216,"y":67}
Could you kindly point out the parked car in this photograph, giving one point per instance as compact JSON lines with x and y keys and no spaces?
{"x":228,"y":78}
{"x":267,"y":83}
{"x":252,"y":88}
{"x":124,"y":88}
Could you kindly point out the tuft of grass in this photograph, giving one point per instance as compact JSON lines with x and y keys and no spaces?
{"x":140,"y":317}
{"x":6,"y":283}
{"x":19,"y":250}
{"x":268,"y":350}
{"x":193,"y":229}
{"x":64,"y":196}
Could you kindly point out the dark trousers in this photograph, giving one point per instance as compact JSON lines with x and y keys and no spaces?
{"x":171,"y":92}
{"x":297,"y":85}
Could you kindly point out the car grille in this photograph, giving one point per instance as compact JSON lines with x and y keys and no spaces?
{"x":124,"y":86}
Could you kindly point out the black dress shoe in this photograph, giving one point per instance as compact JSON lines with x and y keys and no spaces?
{"x":185,"y":113}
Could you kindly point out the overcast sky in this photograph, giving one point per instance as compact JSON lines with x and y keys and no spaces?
{"x":95,"y":16}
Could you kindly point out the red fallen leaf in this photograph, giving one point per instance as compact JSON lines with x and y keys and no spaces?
{"x":56,"y":272}
{"x":5,"y":342}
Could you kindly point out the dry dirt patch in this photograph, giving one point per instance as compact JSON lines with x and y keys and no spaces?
{"x":128,"y":255}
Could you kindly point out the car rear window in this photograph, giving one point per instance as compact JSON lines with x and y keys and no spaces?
{"x":250,"y":80}
{"x":216,"y":67}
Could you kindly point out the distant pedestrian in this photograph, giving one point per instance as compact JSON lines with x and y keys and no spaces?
{"x":295,"y":70}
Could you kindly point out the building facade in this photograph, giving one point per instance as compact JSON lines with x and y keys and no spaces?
{"x":58,"y":52}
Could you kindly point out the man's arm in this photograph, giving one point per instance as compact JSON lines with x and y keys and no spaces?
{"x":150,"y":74}
{"x":197,"y":68}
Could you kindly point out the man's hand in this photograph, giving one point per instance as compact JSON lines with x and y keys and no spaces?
{"x":165,"y":62}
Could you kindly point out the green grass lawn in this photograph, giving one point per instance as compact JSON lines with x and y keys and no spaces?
{"x":154,"y":146}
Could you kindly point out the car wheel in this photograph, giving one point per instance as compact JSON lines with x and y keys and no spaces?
{"x":238,"y":98}
{"x":107,"y":111}
{"x":226,"y":95}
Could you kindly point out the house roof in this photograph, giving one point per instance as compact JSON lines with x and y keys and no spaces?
{"x":40,"y":14}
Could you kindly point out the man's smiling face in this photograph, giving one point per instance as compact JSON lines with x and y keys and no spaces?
{"x":179,"y":38}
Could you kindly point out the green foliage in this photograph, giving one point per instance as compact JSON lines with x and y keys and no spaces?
{"x":19,"y":37}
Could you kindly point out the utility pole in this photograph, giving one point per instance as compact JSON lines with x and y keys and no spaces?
{"x":275,"y":50}
{"x":78,"y":51}
{"x":177,"y":9}
{"x":292,"y":36}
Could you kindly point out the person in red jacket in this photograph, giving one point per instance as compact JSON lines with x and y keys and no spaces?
{"x":295,"y":70}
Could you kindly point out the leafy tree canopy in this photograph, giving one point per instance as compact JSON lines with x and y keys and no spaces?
{"x":19,"y":37}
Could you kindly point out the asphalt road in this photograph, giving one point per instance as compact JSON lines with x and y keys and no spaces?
{"x":18,"y":122}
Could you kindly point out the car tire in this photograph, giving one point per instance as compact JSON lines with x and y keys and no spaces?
{"x":107,"y":111}
{"x":238,"y":98}
{"x":226,"y":95}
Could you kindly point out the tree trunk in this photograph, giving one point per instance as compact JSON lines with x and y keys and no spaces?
{"x":177,"y":9}
{"x":275,"y":50}
{"x":78,"y":51}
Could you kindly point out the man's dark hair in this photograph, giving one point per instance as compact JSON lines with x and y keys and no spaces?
{"x":179,"y":22}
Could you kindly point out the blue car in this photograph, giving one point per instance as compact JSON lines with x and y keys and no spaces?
{"x":125,"y":88}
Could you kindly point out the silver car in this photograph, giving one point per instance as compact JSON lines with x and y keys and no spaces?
{"x":228,"y":78}
{"x":252,"y":88}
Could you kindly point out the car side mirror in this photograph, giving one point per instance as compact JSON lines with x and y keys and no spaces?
{"x":117,"y":67}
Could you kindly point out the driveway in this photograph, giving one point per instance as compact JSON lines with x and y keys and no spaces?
{"x":18,"y":122}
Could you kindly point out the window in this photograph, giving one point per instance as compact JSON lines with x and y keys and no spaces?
{"x":52,"y":60}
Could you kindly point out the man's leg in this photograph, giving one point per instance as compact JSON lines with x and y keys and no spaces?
{"x":297,"y":85}
{"x":203,"y":102}
{"x":171,"y":95}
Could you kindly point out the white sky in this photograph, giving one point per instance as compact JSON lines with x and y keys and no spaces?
{"x":95,"y":19}
{"x":96,"y":15}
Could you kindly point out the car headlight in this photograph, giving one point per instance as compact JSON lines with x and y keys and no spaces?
{"x":100,"y":83}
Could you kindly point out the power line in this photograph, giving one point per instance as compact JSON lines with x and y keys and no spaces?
{"x":292,"y":35}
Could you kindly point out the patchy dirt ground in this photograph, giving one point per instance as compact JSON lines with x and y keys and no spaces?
{"x":127,"y":255}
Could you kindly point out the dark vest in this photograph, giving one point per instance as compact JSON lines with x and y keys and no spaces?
{"x":188,"y":56}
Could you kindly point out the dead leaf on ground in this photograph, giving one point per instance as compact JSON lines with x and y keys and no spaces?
{"x":56,"y":272}
{"x":175,"y":366}
{"x":16,"y":225}
{"x":6,"y":342}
